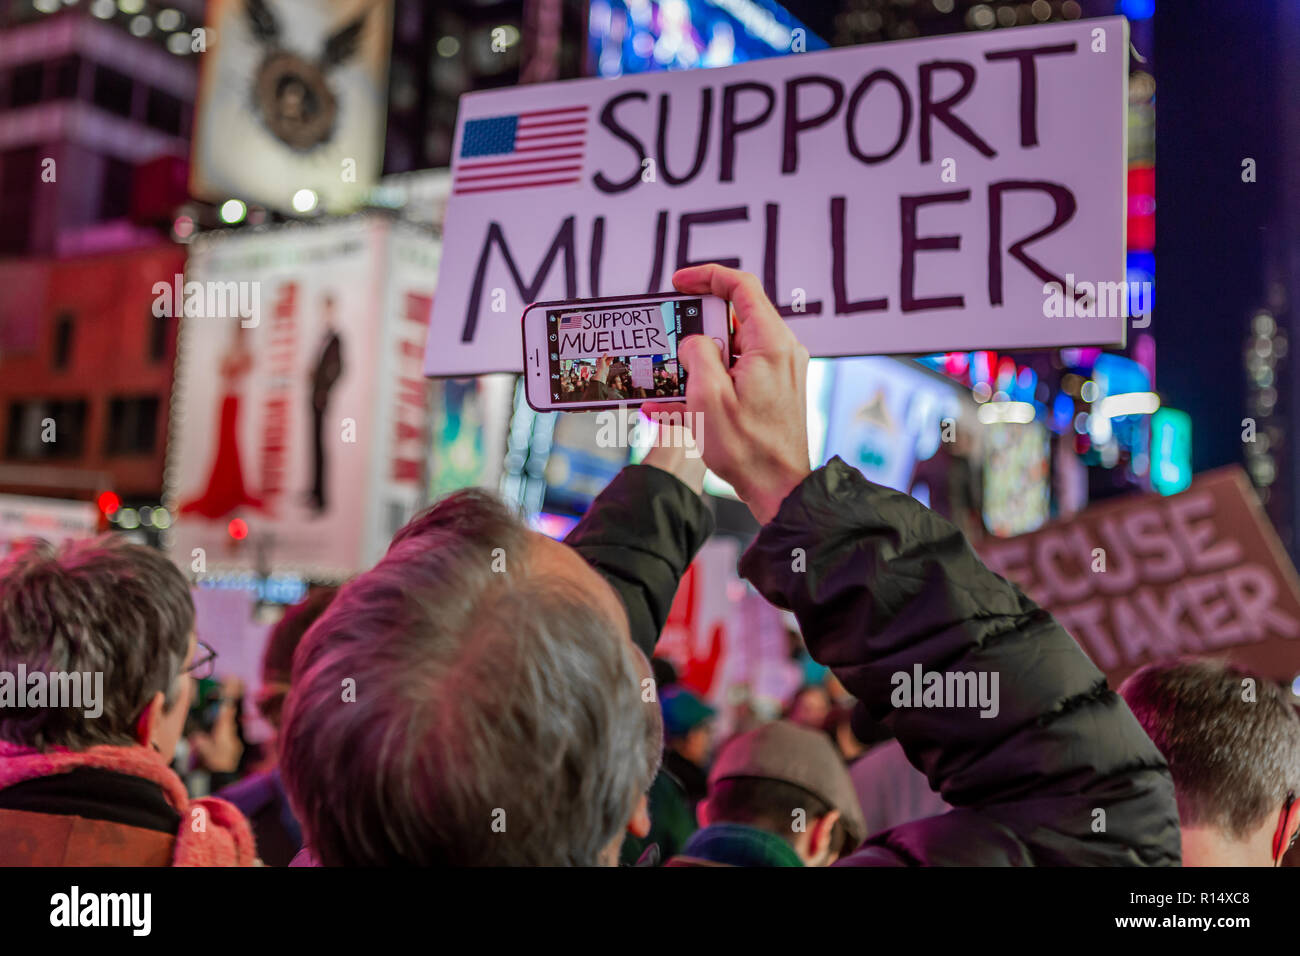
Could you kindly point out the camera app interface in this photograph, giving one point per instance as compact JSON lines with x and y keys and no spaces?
{"x":620,"y":352}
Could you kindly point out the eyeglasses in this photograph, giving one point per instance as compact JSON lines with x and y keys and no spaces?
{"x":204,"y":662}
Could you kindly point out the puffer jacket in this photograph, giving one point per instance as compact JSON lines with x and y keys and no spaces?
{"x":1062,"y":775}
{"x":641,"y":533}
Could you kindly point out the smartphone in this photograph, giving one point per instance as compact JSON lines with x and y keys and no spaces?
{"x":205,"y":705}
{"x":616,"y":350}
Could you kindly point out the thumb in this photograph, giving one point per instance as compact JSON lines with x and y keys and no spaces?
{"x":708,"y":384}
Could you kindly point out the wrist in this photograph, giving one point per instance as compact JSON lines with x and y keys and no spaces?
{"x":687,"y":468}
{"x":764,"y":497}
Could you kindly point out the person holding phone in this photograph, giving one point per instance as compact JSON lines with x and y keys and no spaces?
{"x":1055,"y":769}
{"x":472,"y":611}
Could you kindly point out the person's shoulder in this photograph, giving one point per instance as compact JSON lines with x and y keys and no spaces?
{"x":304,"y":857}
{"x":252,"y":793}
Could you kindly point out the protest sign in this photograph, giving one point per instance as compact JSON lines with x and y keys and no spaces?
{"x":1147,"y":577}
{"x":945,"y":193}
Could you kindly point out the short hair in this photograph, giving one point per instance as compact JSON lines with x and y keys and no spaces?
{"x":484,"y":698}
{"x":102,"y":605}
{"x":768,"y":805}
{"x":1233,"y":759}
{"x":277,"y":659}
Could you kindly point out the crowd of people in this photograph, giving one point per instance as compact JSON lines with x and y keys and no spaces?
{"x":609,"y":378}
{"x":447,"y":707}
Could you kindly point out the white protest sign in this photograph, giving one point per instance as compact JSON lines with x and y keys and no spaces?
{"x":641,"y":368}
{"x":912,"y":196}
{"x":622,"y":330}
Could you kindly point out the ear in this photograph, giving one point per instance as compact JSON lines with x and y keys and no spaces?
{"x":149,"y":718}
{"x":702,"y":813}
{"x":1287,"y":822}
{"x":639,"y":824}
{"x":819,"y":839}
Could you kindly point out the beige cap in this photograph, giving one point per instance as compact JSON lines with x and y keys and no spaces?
{"x":796,"y":755}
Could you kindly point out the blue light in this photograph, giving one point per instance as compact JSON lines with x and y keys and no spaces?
{"x":1137,"y":9}
{"x":1026,"y":384}
{"x":1062,"y":412}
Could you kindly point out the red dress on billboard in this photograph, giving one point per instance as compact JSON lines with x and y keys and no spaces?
{"x":226,"y":491}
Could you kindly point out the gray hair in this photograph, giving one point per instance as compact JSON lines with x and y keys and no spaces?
{"x":1233,"y":759}
{"x":483,"y":699}
{"x":101,"y":605}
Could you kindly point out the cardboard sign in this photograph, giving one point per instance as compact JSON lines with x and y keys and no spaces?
{"x":914,"y":196}
{"x":1147,"y":578}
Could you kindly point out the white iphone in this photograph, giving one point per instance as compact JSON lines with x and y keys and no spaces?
{"x":600,"y":353}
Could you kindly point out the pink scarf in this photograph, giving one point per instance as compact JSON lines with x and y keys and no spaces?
{"x":217,"y":835}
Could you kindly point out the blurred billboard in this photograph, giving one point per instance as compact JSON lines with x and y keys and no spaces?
{"x":299,"y":435}
{"x":293,"y":97}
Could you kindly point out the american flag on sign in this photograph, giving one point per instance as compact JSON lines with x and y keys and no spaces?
{"x":569,"y":322}
{"x":522,"y":151}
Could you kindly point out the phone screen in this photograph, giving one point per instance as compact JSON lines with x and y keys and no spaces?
{"x":620,"y":352}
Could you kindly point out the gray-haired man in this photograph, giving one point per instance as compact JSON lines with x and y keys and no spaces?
{"x":483,"y":695}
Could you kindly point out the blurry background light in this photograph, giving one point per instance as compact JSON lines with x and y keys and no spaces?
{"x":1128,"y":403}
{"x":1019,"y":413}
{"x":1138,"y":9}
{"x":981,"y":17}
{"x":233,"y":211}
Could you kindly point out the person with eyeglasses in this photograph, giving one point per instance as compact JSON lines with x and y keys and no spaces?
{"x":1232,"y":739}
{"x":86,"y":780}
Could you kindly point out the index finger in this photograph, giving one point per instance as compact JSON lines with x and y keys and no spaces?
{"x":741,"y":289}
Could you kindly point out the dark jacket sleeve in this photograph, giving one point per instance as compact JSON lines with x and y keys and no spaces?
{"x":641,"y":533}
{"x":1062,"y":775}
